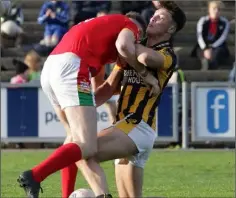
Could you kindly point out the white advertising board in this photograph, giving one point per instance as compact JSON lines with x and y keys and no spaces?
{"x":49,"y":124}
{"x":213,"y":113}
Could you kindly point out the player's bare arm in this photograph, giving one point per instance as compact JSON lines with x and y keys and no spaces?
{"x":125,"y":45}
{"x":98,"y":80}
{"x":107,"y":89}
{"x":149,"y":57}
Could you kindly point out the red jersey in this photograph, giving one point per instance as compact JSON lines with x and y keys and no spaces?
{"x":94,"y":40}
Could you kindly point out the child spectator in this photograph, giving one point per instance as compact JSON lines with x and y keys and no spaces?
{"x":56,"y":16}
{"x":20,"y":76}
{"x":33,"y":61}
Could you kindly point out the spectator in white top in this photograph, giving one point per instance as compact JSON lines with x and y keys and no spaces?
{"x":11,"y":25}
{"x":212,"y":33}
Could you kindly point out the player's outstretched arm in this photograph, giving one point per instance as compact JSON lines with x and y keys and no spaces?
{"x":107,"y":89}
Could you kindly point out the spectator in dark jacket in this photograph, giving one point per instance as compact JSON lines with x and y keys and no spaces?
{"x":83,"y":10}
{"x":212,"y":33}
{"x":56,"y":16}
{"x":149,"y":10}
{"x":145,"y":8}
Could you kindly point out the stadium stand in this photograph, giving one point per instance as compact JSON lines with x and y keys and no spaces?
{"x":184,"y":41}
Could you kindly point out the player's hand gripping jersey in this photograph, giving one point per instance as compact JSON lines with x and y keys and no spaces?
{"x":134,"y":97}
{"x":94,"y":40}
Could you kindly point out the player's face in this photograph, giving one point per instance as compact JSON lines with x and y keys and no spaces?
{"x":160,"y":22}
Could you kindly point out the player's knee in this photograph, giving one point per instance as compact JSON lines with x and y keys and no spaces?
{"x":88,"y":149}
{"x":68,"y":139}
{"x":68,"y":131}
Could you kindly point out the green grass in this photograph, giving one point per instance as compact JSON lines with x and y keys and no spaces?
{"x":167,"y":174}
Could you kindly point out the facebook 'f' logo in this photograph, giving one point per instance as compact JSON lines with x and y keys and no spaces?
{"x":217,"y":111}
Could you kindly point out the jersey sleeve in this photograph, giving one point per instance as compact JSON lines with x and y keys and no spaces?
{"x":133,"y":27}
{"x":169,"y":59}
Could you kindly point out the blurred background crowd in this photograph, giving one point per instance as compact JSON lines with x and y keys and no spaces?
{"x":31,"y":29}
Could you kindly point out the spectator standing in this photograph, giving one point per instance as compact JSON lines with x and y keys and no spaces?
{"x":212,"y":33}
{"x":11,"y":25}
{"x":55,"y":15}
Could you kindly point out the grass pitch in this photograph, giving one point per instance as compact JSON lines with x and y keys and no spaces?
{"x":167,"y":174}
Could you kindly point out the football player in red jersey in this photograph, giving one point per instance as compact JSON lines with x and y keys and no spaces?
{"x":66,"y":80}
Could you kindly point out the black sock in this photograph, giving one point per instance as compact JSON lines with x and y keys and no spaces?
{"x":104,"y":196}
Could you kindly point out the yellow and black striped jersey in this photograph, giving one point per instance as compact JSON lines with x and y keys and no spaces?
{"x":134,"y":97}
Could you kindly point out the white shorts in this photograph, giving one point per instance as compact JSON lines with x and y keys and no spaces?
{"x":114,"y":98}
{"x":143,"y":136}
{"x":65,"y":79}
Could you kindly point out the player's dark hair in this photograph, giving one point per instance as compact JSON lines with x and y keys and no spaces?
{"x":178,"y":15}
{"x":136,"y":16}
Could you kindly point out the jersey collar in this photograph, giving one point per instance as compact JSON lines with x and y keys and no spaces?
{"x":157,"y":46}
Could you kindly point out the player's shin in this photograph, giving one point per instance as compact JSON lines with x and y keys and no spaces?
{"x":69,"y":173}
{"x":68,"y":179}
{"x":60,"y":158}
{"x":95,"y":176}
